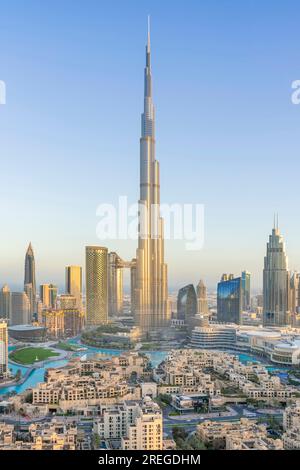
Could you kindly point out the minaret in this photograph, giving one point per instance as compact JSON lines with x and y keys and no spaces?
{"x":275,"y":281}
{"x":151,"y":271}
{"x":29,"y":278}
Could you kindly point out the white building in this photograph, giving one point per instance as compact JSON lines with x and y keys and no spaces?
{"x":146,"y":432}
{"x":138,"y":425}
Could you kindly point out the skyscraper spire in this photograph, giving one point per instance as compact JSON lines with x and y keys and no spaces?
{"x":151,"y":271}
{"x":29,"y":278}
{"x":275,"y":281}
{"x":148,"y":40}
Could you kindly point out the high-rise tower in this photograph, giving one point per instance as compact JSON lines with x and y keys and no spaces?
{"x":202,"y":298}
{"x":151,"y":270}
{"x":96,"y":285}
{"x":29,"y":278}
{"x":74,"y":283}
{"x":275,"y":282}
{"x":115,"y":284}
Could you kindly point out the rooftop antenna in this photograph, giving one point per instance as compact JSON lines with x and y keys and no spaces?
{"x":148,"y":41}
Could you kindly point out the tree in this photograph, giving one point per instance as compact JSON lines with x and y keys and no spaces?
{"x":179,"y":434}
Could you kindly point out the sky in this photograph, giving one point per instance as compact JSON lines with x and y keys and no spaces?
{"x":227,"y":131}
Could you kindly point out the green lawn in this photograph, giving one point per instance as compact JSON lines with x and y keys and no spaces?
{"x":29,"y":355}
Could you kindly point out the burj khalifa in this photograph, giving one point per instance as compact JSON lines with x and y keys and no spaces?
{"x":151,"y":291}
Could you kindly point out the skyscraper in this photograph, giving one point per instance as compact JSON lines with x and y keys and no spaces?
{"x":3,"y":349}
{"x":48,"y":295}
{"x":275,"y":282}
{"x":53,"y":290}
{"x":202,"y":298}
{"x":115,"y":284}
{"x":246,"y":279}
{"x":229,"y":299}
{"x":45,"y":295}
{"x":5,"y":302}
{"x":96,"y":285}
{"x":29,"y":278}
{"x":186,"y":303}
{"x":151,"y":291}
{"x":20,"y":309}
{"x":74,"y":283}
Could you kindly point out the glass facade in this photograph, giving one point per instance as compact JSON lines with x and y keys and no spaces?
{"x":246,"y":277}
{"x":229,"y":300}
{"x":186,"y":302}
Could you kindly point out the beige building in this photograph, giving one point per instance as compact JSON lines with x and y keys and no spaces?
{"x":96,"y":285}
{"x":146,"y":431}
{"x":202,"y":305}
{"x":53,"y":435}
{"x":91,"y":382}
{"x":230,"y":435}
{"x":45,"y":295}
{"x":291,"y":426}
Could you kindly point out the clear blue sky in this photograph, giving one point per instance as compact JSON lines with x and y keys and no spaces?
{"x":227,"y":132}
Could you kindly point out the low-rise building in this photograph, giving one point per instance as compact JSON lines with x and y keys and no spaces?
{"x":231,"y":435}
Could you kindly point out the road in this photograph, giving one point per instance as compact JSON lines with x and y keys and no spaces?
{"x":238,"y":412}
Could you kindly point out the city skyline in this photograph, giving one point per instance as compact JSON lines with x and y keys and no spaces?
{"x":148,"y":304}
{"x":236,"y":220}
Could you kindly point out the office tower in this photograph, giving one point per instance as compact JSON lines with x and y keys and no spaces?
{"x":45,"y":295}
{"x":96,"y":285}
{"x":229,"y":299}
{"x":3,"y":349}
{"x":246,"y":279}
{"x":186,"y":303}
{"x":151,"y":270}
{"x":29,"y":278}
{"x":20,"y":309}
{"x":132,"y":285}
{"x":275,"y":281}
{"x":53,"y":290}
{"x":115,"y":284}
{"x":5,"y":302}
{"x":67,"y":301}
{"x":74,"y":283}
{"x":202,"y":298}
